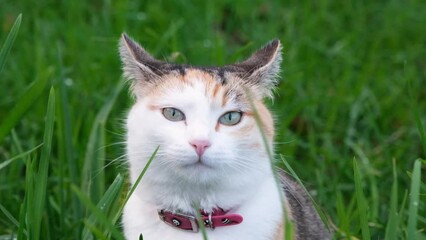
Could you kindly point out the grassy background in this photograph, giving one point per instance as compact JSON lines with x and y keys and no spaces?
{"x":353,"y":89}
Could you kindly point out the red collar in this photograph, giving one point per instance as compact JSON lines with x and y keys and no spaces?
{"x":218,"y":218}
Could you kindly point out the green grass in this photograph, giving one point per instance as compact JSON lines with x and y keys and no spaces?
{"x":349,"y":109}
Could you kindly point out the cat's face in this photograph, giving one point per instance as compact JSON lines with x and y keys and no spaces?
{"x":203,"y":119}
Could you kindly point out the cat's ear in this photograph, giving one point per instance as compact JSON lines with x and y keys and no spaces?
{"x":262,"y":68}
{"x":138,"y":65}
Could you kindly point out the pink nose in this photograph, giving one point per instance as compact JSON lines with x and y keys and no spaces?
{"x":200,"y":146}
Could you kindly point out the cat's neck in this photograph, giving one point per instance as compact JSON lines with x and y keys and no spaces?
{"x":181,"y":196}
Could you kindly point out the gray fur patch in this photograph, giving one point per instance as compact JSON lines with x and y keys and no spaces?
{"x":308,"y":224}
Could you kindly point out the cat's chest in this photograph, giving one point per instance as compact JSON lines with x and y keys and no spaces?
{"x":261,"y":214}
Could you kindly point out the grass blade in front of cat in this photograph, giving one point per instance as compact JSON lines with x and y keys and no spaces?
{"x":111,"y":196}
{"x":118,"y":213}
{"x":201,"y":223}
{"x":361,"y":203}
{"x":414,"y":200}
{"x":287,"y":224}
{"x":9,"y":41}
{"x":97,"y":233}
{"x":98,"y":213}
{"x":296,"y":177}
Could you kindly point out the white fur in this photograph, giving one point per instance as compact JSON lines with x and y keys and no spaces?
{"x":233,"y":175}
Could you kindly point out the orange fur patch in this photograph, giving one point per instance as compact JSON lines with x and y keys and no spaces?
{"x":192,"y":75}
{"x":153,"y":107}
{"x":216,"y":89}
{"x":246,"y":129}
{"x":224,"y":99}
{"x":267,"y":123}
{"x":217,"y":127}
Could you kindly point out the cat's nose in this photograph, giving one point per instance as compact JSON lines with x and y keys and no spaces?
{"x":200,"y":146}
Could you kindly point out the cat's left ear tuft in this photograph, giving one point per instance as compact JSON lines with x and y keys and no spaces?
{"x":137,"y":63}
{"x":139,"y":66}
{"x":261,"y":69}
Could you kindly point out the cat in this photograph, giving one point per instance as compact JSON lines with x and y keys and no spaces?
{"x":211,"y":161}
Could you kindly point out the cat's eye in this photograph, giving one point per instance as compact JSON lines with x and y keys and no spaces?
{"x":173,"y":114}
{"x":230,"y":118}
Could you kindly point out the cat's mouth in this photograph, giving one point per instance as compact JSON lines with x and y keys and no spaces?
{"x":199,"y":163}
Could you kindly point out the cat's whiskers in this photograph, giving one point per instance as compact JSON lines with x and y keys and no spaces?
{"x":242,"y":164}
{"x":120,"y":134}
{"x":112,"y":144}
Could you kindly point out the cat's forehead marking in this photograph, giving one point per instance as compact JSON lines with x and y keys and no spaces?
{"x":214,"y":89}
{"x":219,"y":73}
{"x":205,"y":83}
{"x":195,"y":74}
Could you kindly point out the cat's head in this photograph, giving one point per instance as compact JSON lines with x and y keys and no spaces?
{"x":203,"y":118}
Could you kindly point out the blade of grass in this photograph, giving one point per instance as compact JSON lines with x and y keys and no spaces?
{"x":402,"y":209}
{"x":393,"y":219}
{"x":17,"y":141}
{"x":93,"y":181}
{"x":343,"y":215}
{"x":111,"y":195}
{"x":29,"y":199}
{"x":361,"y":203}
{"x":370,"y":173}
{"x":9,"y":161}
{"x":116,"y":199}
{"x":100,"y":216}
{"x":133,"y":188}
{"x":40,"y":186}
{"x":9,"y":215}
{"x":93,"y":170}
{"x":420,"y":129}
{"x":414,"y":106}
{"x":96,"y":231}
{"x":22,"y":232}
{"x":24,"y":103}
{"x":201,"y":223}
{"x":414,"y":200}
{"x":9,"y":41}
{"x":296,"y":177}
{"x":66,"y":149}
